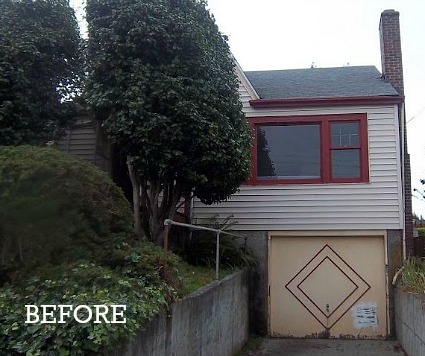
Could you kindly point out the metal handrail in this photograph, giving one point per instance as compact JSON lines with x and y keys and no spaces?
{"x":169,"y":222}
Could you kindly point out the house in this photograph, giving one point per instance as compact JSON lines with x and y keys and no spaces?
{"x":87,"y":140}
{"x":327,"y":207}
{"x":324,"y":207}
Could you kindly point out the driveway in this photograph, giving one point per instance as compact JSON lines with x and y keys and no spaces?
{"x":326,"y":347}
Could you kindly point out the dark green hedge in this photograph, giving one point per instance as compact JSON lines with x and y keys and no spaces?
{"x":55,"y":208}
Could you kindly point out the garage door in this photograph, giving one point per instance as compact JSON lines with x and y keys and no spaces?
{"x":327,"y":287}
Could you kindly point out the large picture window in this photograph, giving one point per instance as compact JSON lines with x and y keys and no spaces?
{"x":288,"y":151}
{"x":313,"y":149}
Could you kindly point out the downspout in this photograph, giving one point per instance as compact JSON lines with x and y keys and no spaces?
{"x":401,"y":110}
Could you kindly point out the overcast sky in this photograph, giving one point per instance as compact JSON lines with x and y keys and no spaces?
{"x":285,"y":34}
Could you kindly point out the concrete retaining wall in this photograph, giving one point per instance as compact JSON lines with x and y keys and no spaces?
{"x":410,"y":321}
{"x":211,"y":321}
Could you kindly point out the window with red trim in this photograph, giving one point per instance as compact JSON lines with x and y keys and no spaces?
{"x":312,"y":149}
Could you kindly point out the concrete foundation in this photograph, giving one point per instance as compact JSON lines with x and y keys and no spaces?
{"x":395,"y":261}
{"x":258,"y":283}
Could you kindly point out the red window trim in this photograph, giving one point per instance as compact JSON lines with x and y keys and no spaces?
{"x":325,"y":147}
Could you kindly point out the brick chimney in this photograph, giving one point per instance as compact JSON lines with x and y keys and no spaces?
{"x":392,"y":71}
{"x":392,"y":64}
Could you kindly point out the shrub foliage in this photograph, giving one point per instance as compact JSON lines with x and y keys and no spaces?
{"x":132,"y":276}
{"x":55,"y":208}
{"x":40,"y":69}
{"x":413,"y":275}
{"x":198,"y":247}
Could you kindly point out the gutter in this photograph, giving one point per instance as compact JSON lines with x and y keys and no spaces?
{"x":327,"y":101}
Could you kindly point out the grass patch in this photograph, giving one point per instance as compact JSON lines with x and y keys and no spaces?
{"x":413,"y":275}
{"x":193,"y":278}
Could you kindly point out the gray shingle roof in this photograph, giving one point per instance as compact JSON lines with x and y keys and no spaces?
{"x":320,"y":82}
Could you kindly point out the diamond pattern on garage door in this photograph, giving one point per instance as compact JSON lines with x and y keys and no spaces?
{"x":341,"y":274}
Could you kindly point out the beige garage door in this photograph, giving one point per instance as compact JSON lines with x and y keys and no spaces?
{"x":327,"y":287}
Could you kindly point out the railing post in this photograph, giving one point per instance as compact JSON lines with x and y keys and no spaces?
{"x":217,"y":255}
{"x":165,"y":232}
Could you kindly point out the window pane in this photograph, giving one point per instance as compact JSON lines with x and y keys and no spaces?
{"x":345,"y":134}
{"x":346,"y":163}
{"x":288,"y":152}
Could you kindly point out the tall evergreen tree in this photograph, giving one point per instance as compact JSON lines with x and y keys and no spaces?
{"x":164,"y":80}
{"x":40,"y":68}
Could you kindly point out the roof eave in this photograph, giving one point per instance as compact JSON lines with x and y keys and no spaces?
{"x":327,"y":101}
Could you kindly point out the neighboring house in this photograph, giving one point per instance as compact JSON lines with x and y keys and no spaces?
{"x":327,"y":207}
{"x":324,"y":206}
{"x":87,"y":140}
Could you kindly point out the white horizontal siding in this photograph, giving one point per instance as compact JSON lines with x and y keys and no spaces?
{"x":245,"y":97}
{"x":246,"y":90}
{"x":362,"y":206}
{"x":243,"y":93}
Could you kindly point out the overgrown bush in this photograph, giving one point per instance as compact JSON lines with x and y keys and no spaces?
{"x":413,"y":275}
{"x":132,"y":278}
{"x":200,"y":249}
{"x":55,"y":208}
{"x":421,"y":232}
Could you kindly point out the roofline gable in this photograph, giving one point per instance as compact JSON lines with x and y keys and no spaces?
{"x":245,"y":82}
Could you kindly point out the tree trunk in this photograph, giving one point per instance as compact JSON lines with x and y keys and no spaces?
{"x":159,"y":211}
{"x":155,"y":216}
{"x":157,"y":227}
{"x":136,"y":203}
